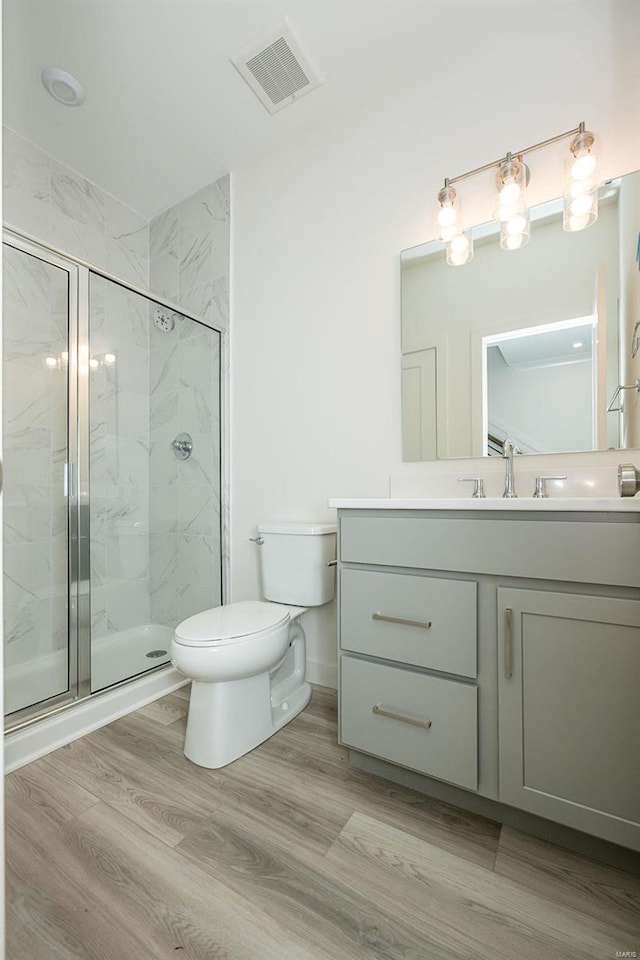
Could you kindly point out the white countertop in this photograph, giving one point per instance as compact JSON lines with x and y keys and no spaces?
{"x":583,"y":504}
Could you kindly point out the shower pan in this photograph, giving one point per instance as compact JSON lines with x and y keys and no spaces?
{"x":109,"y":539}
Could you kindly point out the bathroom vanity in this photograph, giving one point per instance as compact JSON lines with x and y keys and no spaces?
{"x":494,"y":646}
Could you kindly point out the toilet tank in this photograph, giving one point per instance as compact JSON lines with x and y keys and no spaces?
{"x":294,"y":559}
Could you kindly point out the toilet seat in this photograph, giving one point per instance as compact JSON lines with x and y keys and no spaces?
{"x":231,"y":623}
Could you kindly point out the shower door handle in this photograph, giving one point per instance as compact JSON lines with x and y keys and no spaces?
{"x":67,"y":480}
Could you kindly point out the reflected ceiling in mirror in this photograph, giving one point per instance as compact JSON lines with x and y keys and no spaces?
{"x":489,"y":349}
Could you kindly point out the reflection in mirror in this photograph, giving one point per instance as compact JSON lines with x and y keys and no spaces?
{"x":532,"y":374}
{"x":528,"y":344}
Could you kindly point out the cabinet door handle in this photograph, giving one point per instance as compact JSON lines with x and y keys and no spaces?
{"x":425,"y":624}
{"x":382,"y":712}
{"x":507,"y":643}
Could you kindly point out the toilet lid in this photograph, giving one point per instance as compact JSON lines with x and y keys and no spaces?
{"x":231,"y":621}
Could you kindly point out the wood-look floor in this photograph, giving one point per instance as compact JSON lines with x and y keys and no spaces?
{"x":118,"y":848}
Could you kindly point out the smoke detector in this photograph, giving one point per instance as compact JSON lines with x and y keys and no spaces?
{"x":277,"y":69}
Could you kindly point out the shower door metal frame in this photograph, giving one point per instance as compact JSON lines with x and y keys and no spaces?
{"x":78,"y":488}
{"x":72,"y":475}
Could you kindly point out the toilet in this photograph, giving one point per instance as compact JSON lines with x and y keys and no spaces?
{"x":247,"y":660}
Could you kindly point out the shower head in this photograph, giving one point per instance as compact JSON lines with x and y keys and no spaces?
{"x":164,"y":319}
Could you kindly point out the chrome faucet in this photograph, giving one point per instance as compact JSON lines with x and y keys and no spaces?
{"x":509,"y":484}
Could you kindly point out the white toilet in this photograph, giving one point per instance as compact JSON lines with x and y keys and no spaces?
{"x":247,"y":660}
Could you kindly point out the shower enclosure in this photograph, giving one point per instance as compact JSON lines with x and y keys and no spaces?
{"x":111,"y":422}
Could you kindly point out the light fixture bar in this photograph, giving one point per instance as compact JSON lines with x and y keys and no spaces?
{"x":516,"y":153}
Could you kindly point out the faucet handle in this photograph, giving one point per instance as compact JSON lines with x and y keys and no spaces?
{"x":478,"y":489}
{"x":541,"y":484}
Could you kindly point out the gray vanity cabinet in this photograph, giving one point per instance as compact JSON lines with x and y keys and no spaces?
{"x":569,"y":691}
{"x":497,"y":655}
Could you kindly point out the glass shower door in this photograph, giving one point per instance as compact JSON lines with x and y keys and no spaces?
{"x":40,"y":664}
{"x":154,"y":379}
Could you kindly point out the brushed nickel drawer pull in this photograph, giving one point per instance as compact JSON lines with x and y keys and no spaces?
{"x":425,"y":624}
{"x":507,"y":644}
{"x":379,"y":709}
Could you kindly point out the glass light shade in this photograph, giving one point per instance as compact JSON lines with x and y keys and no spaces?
{"x":448,"y":218}
{"x":580,"y":210}
{"x":460,"y":250}
{"x":581,"y":184}
{"x":516,"y":231}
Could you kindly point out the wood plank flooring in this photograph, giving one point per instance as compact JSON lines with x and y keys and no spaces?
{"x":118,"y":848}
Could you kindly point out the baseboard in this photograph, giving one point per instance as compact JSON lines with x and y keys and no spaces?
{"x":43,"y":736}
{"x":323,"y":674}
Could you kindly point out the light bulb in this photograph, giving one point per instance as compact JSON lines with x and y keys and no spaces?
{"x":448,"y":233}
{"x":576,"y":223}
{"x":516,"y":225}
{"x":510,"y":193}
{"x":459,"y":244}
{"x":577,"y":188}
{"x":577,"y":344}
{"x":93,"y":363}
{"x":505,"y":212}
{"x":459,"y":250}
{"x":51,"y":363}
{"x":64,"y":356}
{"x":514,"y":241}
{"x":458,"y":258}
{"x":109,"y":359}
{"x":583,"y":167}
{"x":447,"y":216}
{"x":580,"y":205}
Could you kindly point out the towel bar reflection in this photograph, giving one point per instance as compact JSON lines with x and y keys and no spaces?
{"x":626,"y":386}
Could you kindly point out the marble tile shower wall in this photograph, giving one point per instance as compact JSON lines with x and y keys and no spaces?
{"x":35,"y":442}
{"x":189,"y":265}
{"x":58,"y":206}
{"x":184,"y":515}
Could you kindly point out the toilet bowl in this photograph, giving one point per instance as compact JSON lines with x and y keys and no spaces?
{"x":247,"y":660}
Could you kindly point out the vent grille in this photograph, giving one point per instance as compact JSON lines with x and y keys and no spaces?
{"x":277,"y":70}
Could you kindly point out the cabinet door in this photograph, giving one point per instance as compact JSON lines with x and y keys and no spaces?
{"x":569,"y":675}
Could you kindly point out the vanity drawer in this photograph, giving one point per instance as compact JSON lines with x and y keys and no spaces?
{"x":580,"y":551}
{"x":432,"y":621}
{"x":446,"y":750}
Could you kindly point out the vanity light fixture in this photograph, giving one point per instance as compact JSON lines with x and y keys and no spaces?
{"x":512,"y":213}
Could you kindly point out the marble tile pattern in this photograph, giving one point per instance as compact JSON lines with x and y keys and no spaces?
{"x":184,"y":514}
{"x":35,"y":444}
{"x":189,"y":265}
{"x":56,"y":205}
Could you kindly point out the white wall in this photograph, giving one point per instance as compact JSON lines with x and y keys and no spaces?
{"x":316,"y":275}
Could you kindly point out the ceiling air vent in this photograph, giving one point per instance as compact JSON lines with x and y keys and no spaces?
{"x":277,"y":69}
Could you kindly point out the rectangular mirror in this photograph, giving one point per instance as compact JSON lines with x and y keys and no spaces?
{"x":530,"y":344}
